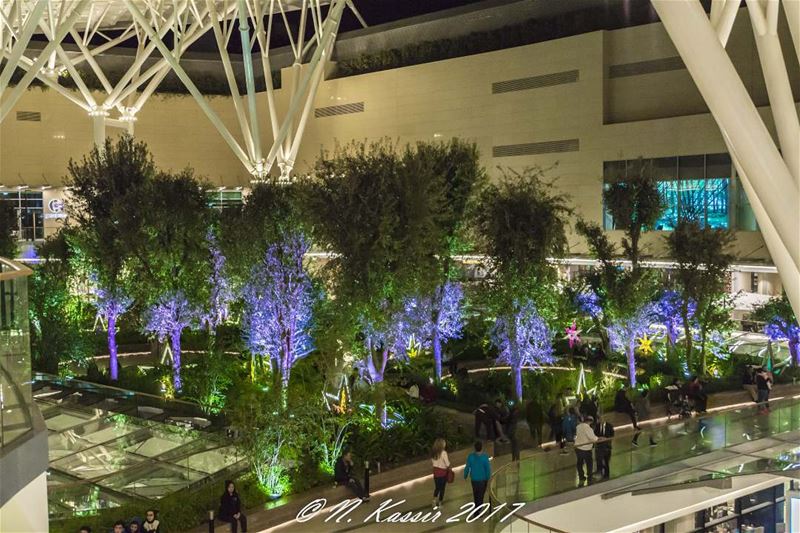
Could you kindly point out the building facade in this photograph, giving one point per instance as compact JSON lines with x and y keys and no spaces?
{"x":589,"y":108}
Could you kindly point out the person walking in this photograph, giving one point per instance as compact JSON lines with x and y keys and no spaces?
{"x":441,"y":470}
{"x":343,"y":475}
{"x":749,"y":382}
{"x":622,"y":404}
{"x":763,"y":386}
{"x":534,"y":414}
{"x":584,"y":443}
{"x":554,"y":417}
{"x":484,"y":417}
{"x":478,"y":471}
{"x":569,"y":425}
{"x":642,"y":414}
{"x":602,"y":449}
{"x":230,"y":508}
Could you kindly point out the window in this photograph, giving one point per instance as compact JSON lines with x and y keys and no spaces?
{"x":696,"y":187}
{"x":29,"y":208}
{"x":224,"y":198}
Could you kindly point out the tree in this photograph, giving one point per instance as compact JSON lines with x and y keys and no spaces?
{"x":56,"y":314}
{"x":278,"y":315}
{"x":521,"y":223}
{"x":452,"y":172}
{"x":439,"y":318}
{"x":625,"y":331}
{"x":371,"y":208}
{"x":170,"y":255}
{"x":221,"y":295}
{"x":166,"y":319}
{"x":701,"y":277}
{"x":669,"y":312}
{"x":103,"y":189}
{"x":780,"y":324}
{"x":8,"y":240}
{"x":635,"y":205}
{"x":523,"y":338}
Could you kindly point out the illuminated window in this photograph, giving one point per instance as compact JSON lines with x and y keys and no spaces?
{"x":223,"y":199}
{"x":29,"y":207}
{"x":697,"y":187}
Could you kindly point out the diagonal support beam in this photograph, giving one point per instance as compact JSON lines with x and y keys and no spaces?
{"x":58,"y":36}
{"x":769,"y":182}
{"x":190,"y":86}
{"x":23,"y":38}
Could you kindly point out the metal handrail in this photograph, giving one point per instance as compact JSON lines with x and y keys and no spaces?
{"x":15,"y":270}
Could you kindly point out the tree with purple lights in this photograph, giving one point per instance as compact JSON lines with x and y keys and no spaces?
{"x":221,"y":294}
{"x":381,"y":210}
{"x":780,"y":324}
{"x":522,"y":338}
{"x":103,"y":186}
{"x":522,"y":222}
{"x":110,"y":305}
{"x":436,"y":319}
{"x":278,"y":315}
{"x":624,"y":333}
{"x":167,"y":319}
{"x":701,"y":275}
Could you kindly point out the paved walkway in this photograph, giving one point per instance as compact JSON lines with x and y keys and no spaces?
{"x":540,"y":474}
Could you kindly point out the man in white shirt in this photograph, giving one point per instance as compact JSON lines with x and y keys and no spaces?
{"x":584,"y":443}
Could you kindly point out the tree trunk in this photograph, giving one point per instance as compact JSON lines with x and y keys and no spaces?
{"x":518,"y":382}
{"x":631,"y":353}
{"x":175,"y":340}
{"x":437,"y":356}
{"x":285,"y":386}
{"x":113,"y":364}
{"x":687,"y":327}
{"x":794,"y":351}
{"x":703,"y":359}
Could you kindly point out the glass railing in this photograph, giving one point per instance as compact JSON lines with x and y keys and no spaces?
{"x":547,"y":474}
{"x":15,"y":358}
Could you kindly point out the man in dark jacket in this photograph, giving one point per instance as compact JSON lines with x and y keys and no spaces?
{"x":230,"y":508}
{"x":485,"y":416}
{"x":343,"y":475}
{"x":622,"y":404}
{"x":602,"y":450}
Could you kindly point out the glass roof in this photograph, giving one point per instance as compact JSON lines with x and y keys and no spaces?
{"x":101,"y":459}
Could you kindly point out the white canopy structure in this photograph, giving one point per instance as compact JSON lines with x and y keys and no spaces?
{"x":769,"y":172}
{"x":89,"y":23}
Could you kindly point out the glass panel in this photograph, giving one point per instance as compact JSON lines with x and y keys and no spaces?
{"x":669,"y":195}
{"x":692,"y":199}
{"x":717,"y":202}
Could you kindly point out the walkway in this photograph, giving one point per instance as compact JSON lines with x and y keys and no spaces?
{"x":540,"y":474}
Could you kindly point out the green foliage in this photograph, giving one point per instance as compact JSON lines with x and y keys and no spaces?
{"x":207,"y":381}
{"x":271,"y":211}
{"x":178,"y":512}
{"x":397,"y":444}
{"x":168,"y":245}
{"x":8,"y":222}
{"x":701,"y":276}
{"x":526,"y":32}
{"x":105,"y":185}
{"x":778,"y":307}
{"x":635,"y":205}
{"x":58,"y":317}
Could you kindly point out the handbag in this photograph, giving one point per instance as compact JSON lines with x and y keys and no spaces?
{"x":451,"y":476}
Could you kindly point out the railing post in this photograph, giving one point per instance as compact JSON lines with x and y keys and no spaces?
{"x":366,"y":479}
{"x":210,"y":521}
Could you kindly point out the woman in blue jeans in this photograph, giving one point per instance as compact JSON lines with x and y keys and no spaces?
{"x":479,"y":471}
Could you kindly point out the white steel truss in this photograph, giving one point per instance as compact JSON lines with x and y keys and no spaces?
{"x":769,"y":172}
{"x":255,"y":20}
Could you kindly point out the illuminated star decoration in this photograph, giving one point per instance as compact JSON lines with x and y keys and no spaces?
{"x":573,"y":334}
{"x":646,"y":345}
